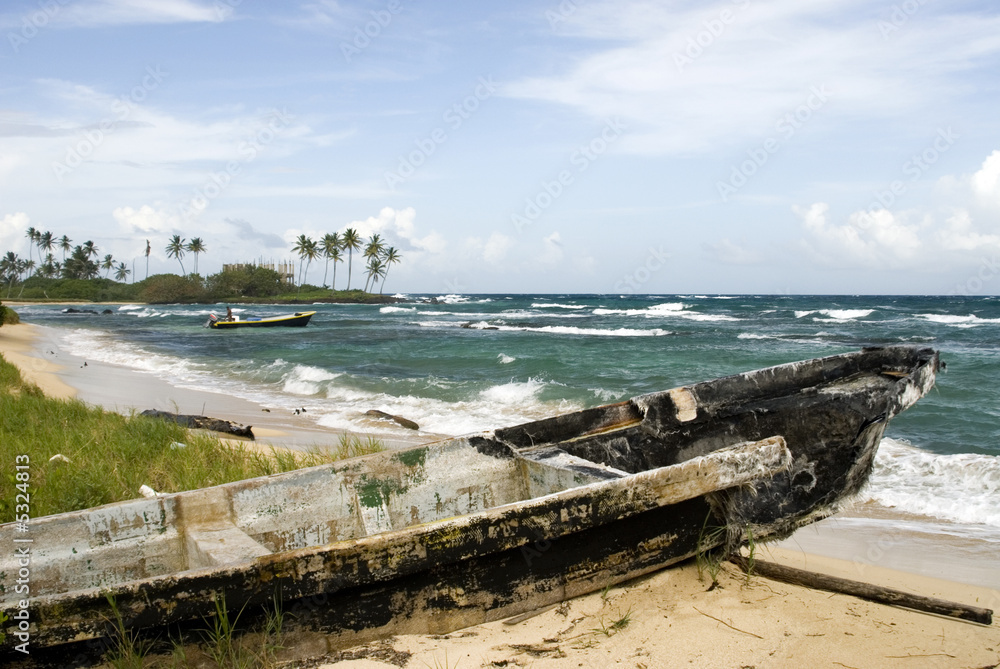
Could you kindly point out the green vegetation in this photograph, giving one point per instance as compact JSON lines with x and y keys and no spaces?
{"x":127,"y":650}
{"x":710,"y":556}
{"x":78,"y":275}
{"x":107,"y":457}
{"x":248,"y":284}
{"x":615,"y":626}
{"x":8,"y":316}
{"x":223,"y":643}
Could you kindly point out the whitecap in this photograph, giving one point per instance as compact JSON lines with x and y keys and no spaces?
{"x":963,"y":487}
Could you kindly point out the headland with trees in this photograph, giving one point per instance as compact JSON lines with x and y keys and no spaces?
{"x":81,"y":274}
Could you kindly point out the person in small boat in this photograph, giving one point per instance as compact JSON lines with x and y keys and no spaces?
{"x":229,"y":314}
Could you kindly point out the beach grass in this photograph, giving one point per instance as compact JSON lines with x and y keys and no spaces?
{"x":107,"y":457}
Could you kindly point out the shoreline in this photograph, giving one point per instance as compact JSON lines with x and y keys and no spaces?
{"x":671,"y":610}
{"x":36,"y":351}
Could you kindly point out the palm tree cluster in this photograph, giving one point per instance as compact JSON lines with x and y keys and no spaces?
{"x":80,"y":264}
{"x":177,"y":247}
{"x":378,"y":256}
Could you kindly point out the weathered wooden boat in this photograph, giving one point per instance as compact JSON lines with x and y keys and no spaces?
{"x":297,"y":320}
{"x":477,"y":528}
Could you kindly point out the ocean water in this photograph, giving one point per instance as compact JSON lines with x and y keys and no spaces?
{"x":462,"y":363}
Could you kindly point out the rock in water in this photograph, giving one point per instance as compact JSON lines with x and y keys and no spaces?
{"x":405,"y":422}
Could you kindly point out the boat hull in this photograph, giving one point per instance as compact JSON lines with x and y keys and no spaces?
{"x":478,"y":528}
{"x":297,"y":320}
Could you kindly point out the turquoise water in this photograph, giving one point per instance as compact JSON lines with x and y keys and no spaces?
{"x":460,"y":363}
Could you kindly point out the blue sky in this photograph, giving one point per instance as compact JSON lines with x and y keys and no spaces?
{"x":576,"y":146}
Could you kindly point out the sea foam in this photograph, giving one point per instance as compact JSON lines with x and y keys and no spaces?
{"x":963,"y":487}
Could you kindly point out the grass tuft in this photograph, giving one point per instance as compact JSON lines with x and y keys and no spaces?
{"x":615,"y":626}
{"x":127,"y":651}
{"x":709,"y":557}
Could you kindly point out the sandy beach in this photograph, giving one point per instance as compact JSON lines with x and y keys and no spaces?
{"x":36,"y":351}
{"x":673,"y":619}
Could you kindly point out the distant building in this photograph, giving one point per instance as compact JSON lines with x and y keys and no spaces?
{"x":285,"y":269}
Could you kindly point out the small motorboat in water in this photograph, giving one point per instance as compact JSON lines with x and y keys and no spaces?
{"x":297,"y":320}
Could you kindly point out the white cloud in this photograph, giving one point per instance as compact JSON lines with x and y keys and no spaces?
{"x":887,"y":240}
{"x":959,"y":234}
{"x":496,"y":248}
{"x":875,"y":240}
{"x":986,"y":182}
{"x":144,"y":219}
{"x":684,"y":80}
{"x":12,"y":228}
{"x":401,"y":223}
{"x":122,"y":12}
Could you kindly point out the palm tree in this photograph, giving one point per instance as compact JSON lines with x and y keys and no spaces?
{"x":32,"y":236}
{"x":122,"y":271}
{"x":336,"y":258}
{"x":373,"y":250}
{"x":90,"y":249}
{"x":50,"y":267}
{"x":390,"y":257}
{"x":10,"y":268}
{"x":175,"y":249}
{"x":66,"y":244}
{"x":375,"y":270}
{"x":351,"y":242}
{"x":300,"y":246}
{"x":196,"y":246}
{"x":26,"y":267}
{"x":310,"y":253}
{"x":79,"y":265}
{"x":329,"y":244}
{"x":45,"y":243}
{"x":107,"y":265}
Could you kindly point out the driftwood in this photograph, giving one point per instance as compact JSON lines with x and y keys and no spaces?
{"x":399,"y":420}
{"x":202,"y":423}
{"x":873,"y":593}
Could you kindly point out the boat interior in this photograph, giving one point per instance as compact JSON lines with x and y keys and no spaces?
{"x":349,"y":500}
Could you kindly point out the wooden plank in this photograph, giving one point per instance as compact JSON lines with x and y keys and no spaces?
{"x":873,"y":593}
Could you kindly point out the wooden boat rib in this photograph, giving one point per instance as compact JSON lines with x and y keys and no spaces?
{"x":482,"y":527}
{"x":298,"y":319}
